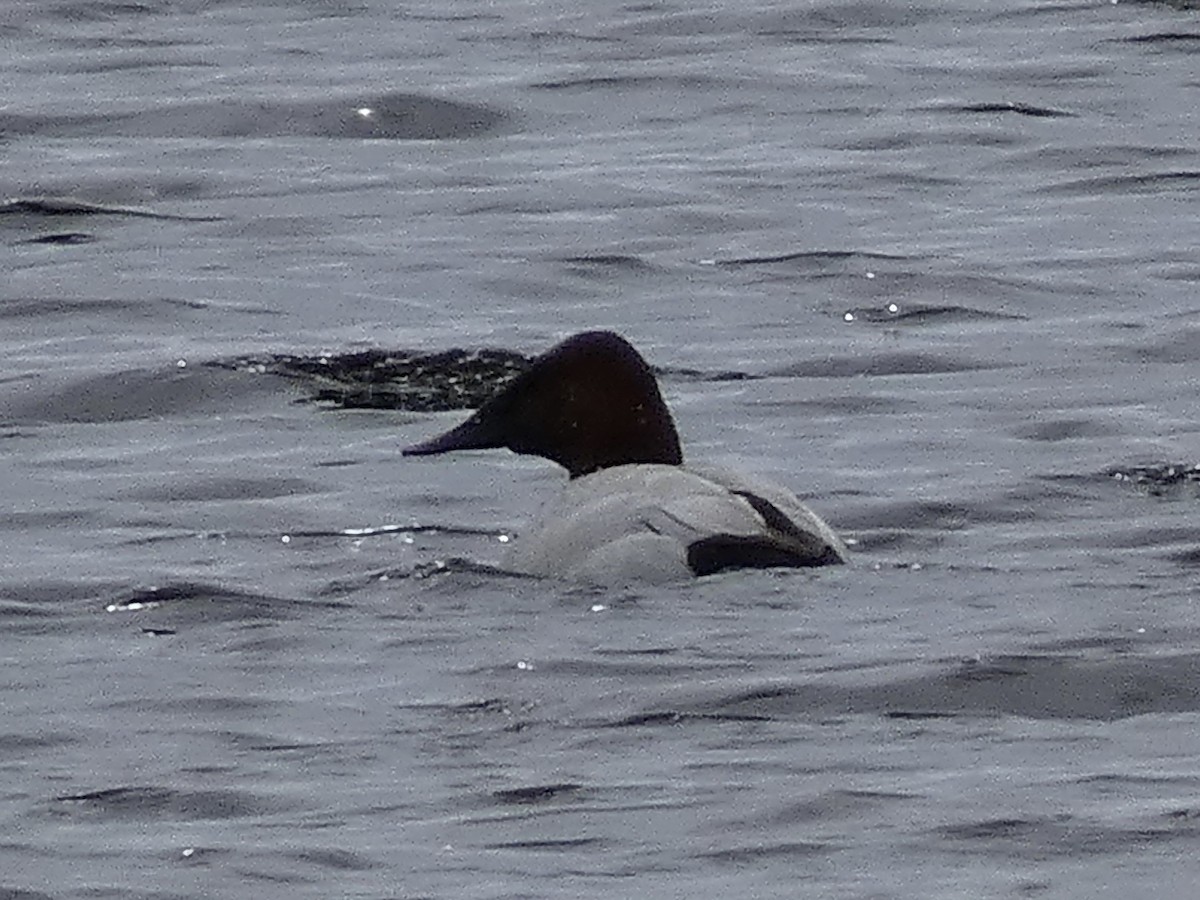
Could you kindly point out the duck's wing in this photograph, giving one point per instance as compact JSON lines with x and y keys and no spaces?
{"x":653,"y":523}
{"x":786,"y":533}
{"x":610,"y":527}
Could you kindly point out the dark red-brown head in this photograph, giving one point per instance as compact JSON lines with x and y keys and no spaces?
{"x":589,"y":403}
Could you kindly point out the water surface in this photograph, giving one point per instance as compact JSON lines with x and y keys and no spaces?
{"x":933,"y":266}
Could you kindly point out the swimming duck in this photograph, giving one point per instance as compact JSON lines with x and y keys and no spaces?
{"x":632,"y":512}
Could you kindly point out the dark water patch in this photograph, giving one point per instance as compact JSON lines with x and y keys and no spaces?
{"x":1065,"y":836}
{"x":921,"y":140}
{"x":334,"y":859}
{"x":989,"y":829}
{"x":475,"y":15}
{"x":42,"y":308}
{"x":23,"y":746}
{"x":1021,"y":109}
{"x":617,"y":667}
{"x":451,"y":530}
{"x":56,"y":207}
{"x":792,"y":36}
{"x":55,"y":595}
{"x":99,"y":11}
{"x":209,"y":489}
{"x":193,"y":603}
{"x":677,"y":373}
{"x":345,"y":587}
{"x":1104,"y":643}
{"x":1151,"y":183}
{"x":28,"y":618}
{"x":7,"y":893}
{"x":1120,"y":782}
{"x":975,"y":138}
{"x":459,"y":573}
{"x":399,"y":380}
{"x":490,"y":706}
{"x":1188,"y":557}
{"x":836,"y":804}
{"x":810,"y":258}
{"x":180,"y":535}
{"x":617,"y":260}
{"x":1175,"y":40}
{"x":221,"y":707}
{"x":131,"y":395}
{"x":1045,"y":491}
{"x":48,"y":519}
{"x":909,"y":314}
{"x":679,"y":717}
{"x":619,"y":83}
{"x":138,"y":60}
{"x":1159,"y":479}
{"x":248,"y":741}
{"x":62,"y":239}
{"x":538,"y":794}
{"x":1182,"y":815}
{"x":882,"y":365}
{"x":262,"y":229}
{"x":550,"y":844}
{"x":760,"y":854}
{"x":148,"y":803}
{"x":871,"y":540}
{"x":1064,"y":430}
{"x":635,"y":652}
{"x":1140,"y":537}
{"x":265,"y":643}
{"x":393,"y":116}
{"x":1181,"y":346}
{"x":915,"y":715}
{"x":1067,"y":486}
{"x":1035,"y":686}
{"x":837,"y":19}
{"x":413,"y":381}
{"x":992,"y":294}
{"x":850,"y":405}
{"x":1110,"y":156}
{"x":890,"y":142}
{"x":608,"y":265}
{"x":1180,"y":270}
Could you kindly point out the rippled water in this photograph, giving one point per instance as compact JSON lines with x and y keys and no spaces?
{"x":934,"y":266}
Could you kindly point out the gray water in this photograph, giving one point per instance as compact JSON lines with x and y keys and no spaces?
{"x":951,"y":250}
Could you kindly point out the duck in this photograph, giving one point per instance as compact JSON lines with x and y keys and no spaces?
{"x":632,"y":511}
